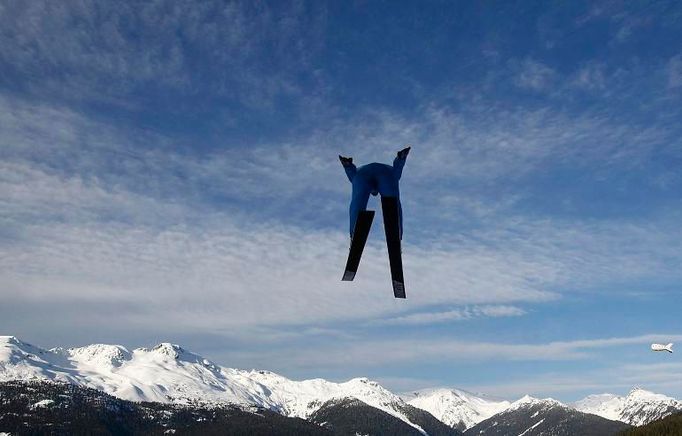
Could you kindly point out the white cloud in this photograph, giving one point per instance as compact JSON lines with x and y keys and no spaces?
{"x":476,"y":147}
{"x":106,"y":50}
{"x":381,"y":353}
{"x":225,"y":274}
{"x":535,"y":75}
{"x":214,"y":273}
{"x":590,"y":77}
{"x":460,"y":314}
{"x":199,"y":269}
{"x":93,"y":215}
{"x":665,"y":378}
{"x":674,"y":71}
{"x":108,"y":227}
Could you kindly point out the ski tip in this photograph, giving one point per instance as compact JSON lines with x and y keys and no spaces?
{"x":348,"y":276}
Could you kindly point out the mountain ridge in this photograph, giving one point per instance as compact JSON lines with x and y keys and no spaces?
{"x":168,"y":373}
{"x":455,"y":407}
{"x":638,"y":407}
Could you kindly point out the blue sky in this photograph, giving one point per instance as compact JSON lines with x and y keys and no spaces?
{"x":169,"y":172}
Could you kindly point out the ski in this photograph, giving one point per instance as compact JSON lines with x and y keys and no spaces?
{"x":357,"y":245}
{"x":389,"y":206}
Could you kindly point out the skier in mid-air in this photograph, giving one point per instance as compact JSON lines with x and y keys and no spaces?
{"x":375,"y":178}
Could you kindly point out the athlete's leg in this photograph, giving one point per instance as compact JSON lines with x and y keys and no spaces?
{"x":400,"y":217}
{"x":361,"y":190}
{"x":389,"y":187}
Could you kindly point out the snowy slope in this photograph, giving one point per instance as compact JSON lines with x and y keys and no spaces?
{"x":456,"y":408}
{"x":164,"y":373}
{"x":639,"y":407}
{"x":530,"y":416}
{"x":169,"y":373}
{"x":302,"y":398}
{"x":528,"y":401}
{"x":642,"y":407}
{"x":605,"y":405}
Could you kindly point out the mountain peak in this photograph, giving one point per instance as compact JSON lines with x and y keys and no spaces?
{"x":524,"y":400}
{"x":9,"y":340}
{"x":18,"y":348}
{"x":528,"y":401}
{"x":168,"y":349}
{"x":639,"y":395}
{"x":457,"y":408}
{"x":164,"y":349}
{"x":16,"y":342}
{"x":639,"y":407}
{"x":101,"y":354}
{"x":641,"y":392}
{"x":167,"y":373}
{"x":365,"y":381}
{"x":637,"y":389}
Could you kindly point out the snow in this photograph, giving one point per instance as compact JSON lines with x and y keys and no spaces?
{"x":528,"y":401}
{"x":532,"y":427}
{"x":169,"y":373}
{"x":454,"y":406}
{"x":302,"y":398}
{"x":639,"y":407}
{"x":98,"y":354}
{"x":605,"y":405}
{"x":164,"y":373}
{"x":42,"y":403}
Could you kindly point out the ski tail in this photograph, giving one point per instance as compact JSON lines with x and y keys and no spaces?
{"x":669,"y":348}
{"x":392,"y":229}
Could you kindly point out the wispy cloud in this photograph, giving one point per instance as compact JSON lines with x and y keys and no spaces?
{"x":460,"y":314}
{"x":104,"y":51}
{"x":590,"y":77}
{"x":93,"y":219}
{"x":371,"y":354}
{"x":674,"y":71}
{"x":534,"y":75}
{"x":172,"y":169}
{"x":616,"y":379}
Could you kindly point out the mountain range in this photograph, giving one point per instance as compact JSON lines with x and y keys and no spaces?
{"x":638,"y":408}
{"x":170,"y":374}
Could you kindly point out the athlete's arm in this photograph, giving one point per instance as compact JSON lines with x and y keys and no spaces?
{"x":349,"y":166}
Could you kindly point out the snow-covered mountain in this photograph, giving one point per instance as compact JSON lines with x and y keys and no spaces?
{"x":534,"y":417}
{"x":639,"y":407}
{"x":605,"y":405}
{"x":456,"y":408}
{"x":302,"y":398}
{"x":165,"y":373}
{"x":169,"y":373}
{"x":42,"y":407}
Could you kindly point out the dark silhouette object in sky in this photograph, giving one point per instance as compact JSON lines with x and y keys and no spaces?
{"x":376,"y":178}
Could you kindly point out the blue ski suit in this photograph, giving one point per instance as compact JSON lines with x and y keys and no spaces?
{"x":375,"y":178}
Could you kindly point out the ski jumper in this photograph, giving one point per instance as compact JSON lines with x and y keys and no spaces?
{"x":374,"y":178}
